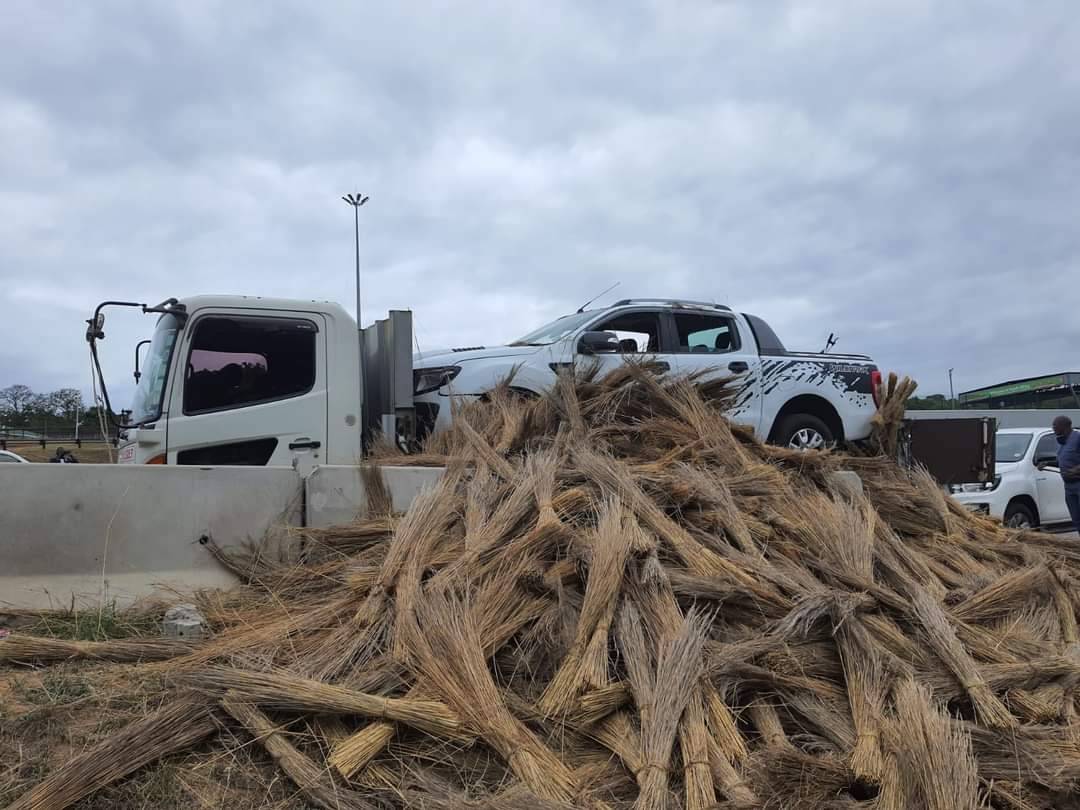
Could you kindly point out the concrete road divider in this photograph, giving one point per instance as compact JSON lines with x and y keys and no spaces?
{"x":102,"y":532}
{"x":336,"y":495}
{"x":94,"y":533}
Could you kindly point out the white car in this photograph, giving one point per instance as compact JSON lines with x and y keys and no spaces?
{"x":7,"y":456}
{"x":1021,"y":495}
{"x":798,"y":399}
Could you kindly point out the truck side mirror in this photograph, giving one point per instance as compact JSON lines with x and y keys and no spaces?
{"x":1050,"y":460}
{"x":598,"y":343}
{"x":95,"y":327}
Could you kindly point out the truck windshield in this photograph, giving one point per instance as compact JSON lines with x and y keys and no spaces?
{"x":556,"y":330}
{"x":151,"y":387}
{"x":1011,"y":446}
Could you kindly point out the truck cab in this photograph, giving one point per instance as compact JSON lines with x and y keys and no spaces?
{"x":246,"y":380}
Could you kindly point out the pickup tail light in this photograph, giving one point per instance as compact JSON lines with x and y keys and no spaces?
{"x":875,"y":387}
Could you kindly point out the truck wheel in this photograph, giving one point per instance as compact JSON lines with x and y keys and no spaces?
{"x":801,"y":431}
{"x":1018,"y":516}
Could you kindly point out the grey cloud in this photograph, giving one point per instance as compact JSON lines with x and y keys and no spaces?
{"x":902,"y":173}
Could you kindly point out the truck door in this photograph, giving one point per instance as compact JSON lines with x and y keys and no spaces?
{"x":249,"y":389}
{"x":712,"y":343}
{"x":1052,"y":508}
{"x":639,"y":334}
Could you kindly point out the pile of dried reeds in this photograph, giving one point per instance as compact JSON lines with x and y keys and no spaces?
{"x":615,"y":598}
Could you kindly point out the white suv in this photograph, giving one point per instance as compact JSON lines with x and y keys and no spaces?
{"x":1021,"y":495}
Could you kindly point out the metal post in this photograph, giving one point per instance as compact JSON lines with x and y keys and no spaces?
{"x":952,"y":398}
{"x":356,"y":231}
{"x":356,"y":200}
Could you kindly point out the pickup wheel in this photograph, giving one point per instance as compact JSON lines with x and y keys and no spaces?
{"x":1018,"y":516}
{"x":801,"y":431}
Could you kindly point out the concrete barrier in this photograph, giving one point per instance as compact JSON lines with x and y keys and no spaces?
{"x":102,"y":532}
{"x":337,"y":495}
{"x":90,"y":533}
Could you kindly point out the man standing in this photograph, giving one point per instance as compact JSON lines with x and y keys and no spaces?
{"x":1069,"y":464}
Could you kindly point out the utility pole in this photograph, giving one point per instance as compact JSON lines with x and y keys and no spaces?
{"x":357,"y":200}
{"x":952,"y":398}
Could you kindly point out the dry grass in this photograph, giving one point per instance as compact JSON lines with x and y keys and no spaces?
{"x":613,"y":599}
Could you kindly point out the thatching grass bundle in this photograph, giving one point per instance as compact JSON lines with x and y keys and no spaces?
{"x":28,"y":649}
{"x":614,"y":598}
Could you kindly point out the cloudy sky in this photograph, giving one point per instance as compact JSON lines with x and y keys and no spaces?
{"x":905,"y":174}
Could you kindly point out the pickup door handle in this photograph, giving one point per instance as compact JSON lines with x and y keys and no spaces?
{"x":662,"y":365}
{"x":738,"y":366}
{"x":305,"y":444}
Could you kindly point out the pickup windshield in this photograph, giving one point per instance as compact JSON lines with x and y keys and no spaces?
{"x":1011,"y":446}
{"x":151,"y":388}
{"x":556,"y":330}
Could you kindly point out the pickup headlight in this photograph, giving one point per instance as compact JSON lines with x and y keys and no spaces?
{"x":988,"y":486}
{"x":426,"y":380}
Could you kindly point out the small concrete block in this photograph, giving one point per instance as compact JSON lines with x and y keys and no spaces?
{"x":184,"y":621}
{"x":847,"y":482}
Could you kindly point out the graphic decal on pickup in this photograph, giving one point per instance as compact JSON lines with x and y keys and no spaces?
{"x":851,"y":381}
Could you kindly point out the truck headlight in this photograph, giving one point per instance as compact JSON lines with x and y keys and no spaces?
{"x":426,"y":380}
{"x":988,"y":486}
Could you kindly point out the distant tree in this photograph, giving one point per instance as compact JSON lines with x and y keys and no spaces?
{"x":933,"y":402}
{"x":67,"y":403}
{"x":15,"y":398}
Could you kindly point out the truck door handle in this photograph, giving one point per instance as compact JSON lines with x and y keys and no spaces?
{"x":306,"y":444}
{"x":662,"y":365}
{"x":738,"y":366}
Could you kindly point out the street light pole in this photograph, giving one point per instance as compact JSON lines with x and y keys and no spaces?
{"x":357,"y":200}
{"x":952,"y":398}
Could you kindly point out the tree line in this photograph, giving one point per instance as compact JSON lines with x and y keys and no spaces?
{"x":22,"y":408}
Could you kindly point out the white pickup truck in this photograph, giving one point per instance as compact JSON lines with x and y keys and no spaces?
{"x":1021,"y":495}
{"x":797,"y":399}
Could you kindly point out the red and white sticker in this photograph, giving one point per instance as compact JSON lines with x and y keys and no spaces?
{"x":127,"y":454}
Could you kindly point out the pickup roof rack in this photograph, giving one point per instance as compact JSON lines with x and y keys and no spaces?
{"x":677,"y":302}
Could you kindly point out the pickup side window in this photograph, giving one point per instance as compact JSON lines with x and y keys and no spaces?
{"x":1046,"y":449}
{"x":638,"y":332}
{"x":236,"y":361}
{"x":705,"y":334}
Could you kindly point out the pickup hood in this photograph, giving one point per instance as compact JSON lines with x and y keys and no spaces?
{"x":452,"y":357}
{"x":1002,"y":467}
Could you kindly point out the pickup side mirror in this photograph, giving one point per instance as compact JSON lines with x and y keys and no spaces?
{"x":1051,"y":460}
{"x":598,"y":343}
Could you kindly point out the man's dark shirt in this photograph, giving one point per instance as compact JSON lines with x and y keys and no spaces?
{"x":1068,"y":457}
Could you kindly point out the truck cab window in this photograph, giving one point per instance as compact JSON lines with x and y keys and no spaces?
{"x":638,"y":332}
{"x":706,"y":334}
{"x":236,"y":361}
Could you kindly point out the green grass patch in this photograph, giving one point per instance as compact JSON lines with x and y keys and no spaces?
{"x":58,"y":688}
{"x":101,"y":624}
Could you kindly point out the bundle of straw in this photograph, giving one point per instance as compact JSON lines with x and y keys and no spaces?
{"x":614,"y":598}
